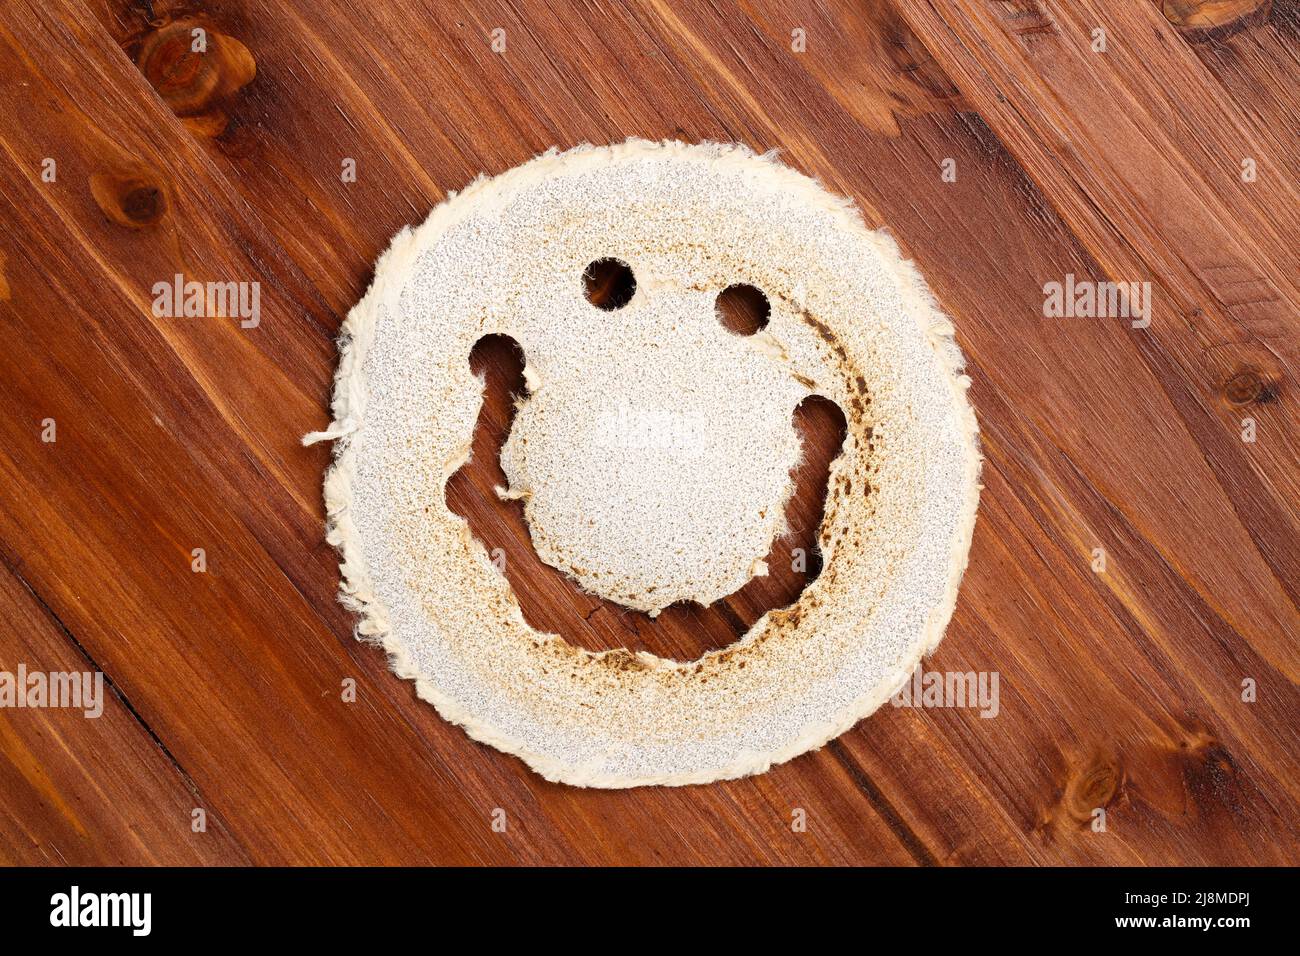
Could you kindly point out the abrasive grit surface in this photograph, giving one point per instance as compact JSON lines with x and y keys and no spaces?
{"x":684,"y":514}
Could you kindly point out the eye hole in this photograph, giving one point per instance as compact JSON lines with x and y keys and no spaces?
{"x":609,"y":284}
{"x":743,"y":309}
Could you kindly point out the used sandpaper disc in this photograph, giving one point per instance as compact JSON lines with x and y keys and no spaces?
{"x":648,"y":523}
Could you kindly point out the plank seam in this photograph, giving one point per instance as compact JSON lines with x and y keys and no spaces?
{"x":188,"y":780}
{"x":911,"y":842}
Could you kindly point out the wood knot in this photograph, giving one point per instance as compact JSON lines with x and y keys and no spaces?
{"x":1092,"y":785}
{"x":197,"y":70}
{"x":911,"y":58}
{"x":1201,"y":20}
{"x":1029,"y":20}
{"x":1249,"y":386}
{"x":1210,"y":776}
{"x":130,"y":198}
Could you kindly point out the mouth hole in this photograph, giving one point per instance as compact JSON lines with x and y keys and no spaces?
{"x":552,"y":602}
{"x":609,"y":284}
{"x":743,"y":309}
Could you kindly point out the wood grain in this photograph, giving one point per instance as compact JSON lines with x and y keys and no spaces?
{"x":1120,"y":690}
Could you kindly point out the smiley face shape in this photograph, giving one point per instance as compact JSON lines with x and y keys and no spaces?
{"x":653,"y":453}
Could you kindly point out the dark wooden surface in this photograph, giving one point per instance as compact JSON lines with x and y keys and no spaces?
{"x":1120,"y":690}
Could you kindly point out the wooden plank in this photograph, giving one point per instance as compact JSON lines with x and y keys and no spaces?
{"x":1129,"y":433}
{"x":232,"y":666}
{"x":1120,"y":690}
{"x":88,"y":787}
{"x":1144,"y":164}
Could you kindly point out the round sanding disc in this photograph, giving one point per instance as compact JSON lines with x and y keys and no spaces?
{"x":653,"y":453}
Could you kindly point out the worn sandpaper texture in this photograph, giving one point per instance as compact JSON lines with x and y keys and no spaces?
{"x":651,"y":522}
